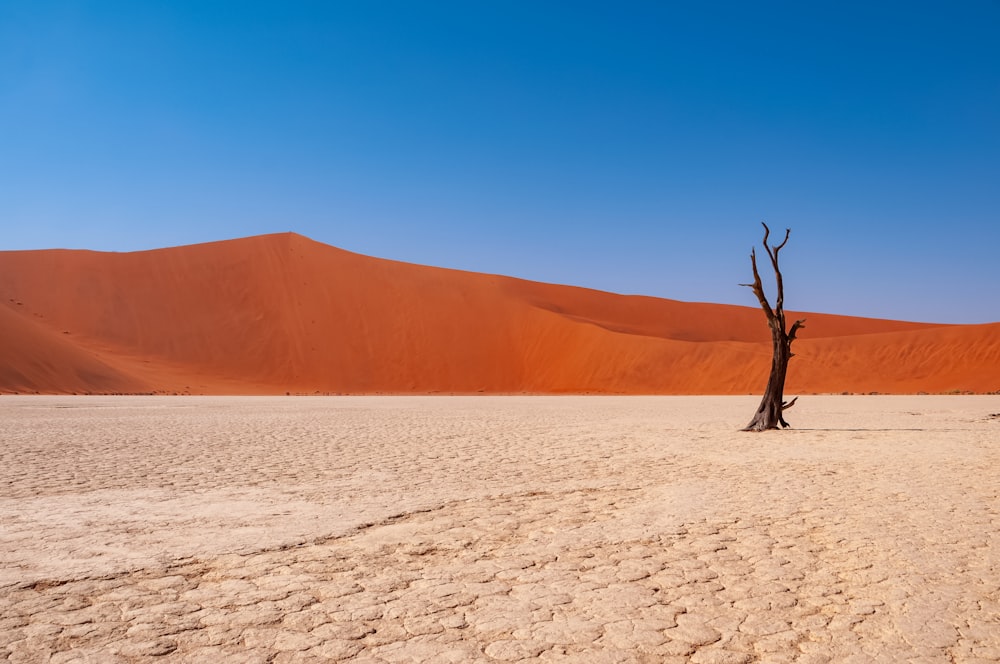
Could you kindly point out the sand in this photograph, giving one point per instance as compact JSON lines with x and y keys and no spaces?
{"x":282,"y":313}
{"x":488,"y":529}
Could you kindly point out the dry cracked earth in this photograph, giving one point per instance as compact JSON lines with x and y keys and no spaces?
{"x":498,"y":529}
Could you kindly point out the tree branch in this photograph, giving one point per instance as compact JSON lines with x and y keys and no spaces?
{"x":772,"y":252}
{"x":780,"y":300}
{"x":788,"y":232}
{"x":776,"y":313}
{"x":796,"y":326}
{"x":758,"y":288}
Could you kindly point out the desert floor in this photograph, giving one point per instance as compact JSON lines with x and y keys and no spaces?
{"x":465,"y":529}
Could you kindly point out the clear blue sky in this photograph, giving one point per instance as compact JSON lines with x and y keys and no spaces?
{"x":626,"y":146}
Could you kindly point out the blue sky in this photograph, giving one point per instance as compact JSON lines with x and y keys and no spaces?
{"x":629,"y":146}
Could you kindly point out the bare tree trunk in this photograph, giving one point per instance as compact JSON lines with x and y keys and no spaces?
{"x":769,"y":413}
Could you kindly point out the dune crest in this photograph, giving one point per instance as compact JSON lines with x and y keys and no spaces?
{"x":282,"y":313}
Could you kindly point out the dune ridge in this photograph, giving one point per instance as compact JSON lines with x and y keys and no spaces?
{"x":281,"y":313}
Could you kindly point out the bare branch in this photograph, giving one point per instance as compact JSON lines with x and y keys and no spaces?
{"x":785,"y":405}
{"x":787,"y":233}
{"x":796,"y":326}
{"x":758,"y":288}
{"x":772,"y":252}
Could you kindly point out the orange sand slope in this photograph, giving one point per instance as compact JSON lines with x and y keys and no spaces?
{"x":281,"y":313}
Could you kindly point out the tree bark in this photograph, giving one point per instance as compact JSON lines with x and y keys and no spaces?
{"x":772,"y":405}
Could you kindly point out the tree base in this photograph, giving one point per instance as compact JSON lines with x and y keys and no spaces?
{"x":763,"y":425}
{"x":769,"y":416}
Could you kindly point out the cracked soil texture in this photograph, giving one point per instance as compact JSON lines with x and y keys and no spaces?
{"x":498,"y":529}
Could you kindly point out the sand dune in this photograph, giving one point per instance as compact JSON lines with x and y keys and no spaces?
{"x":282,"y":313}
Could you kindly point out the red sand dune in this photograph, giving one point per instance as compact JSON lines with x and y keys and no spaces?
{"x":281,"y":313}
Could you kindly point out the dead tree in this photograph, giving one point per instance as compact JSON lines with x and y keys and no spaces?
{"x":769,"y":413}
